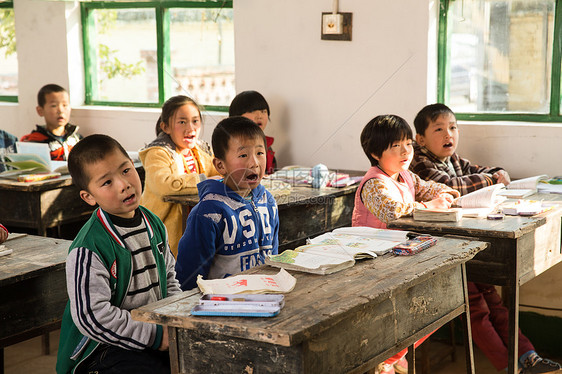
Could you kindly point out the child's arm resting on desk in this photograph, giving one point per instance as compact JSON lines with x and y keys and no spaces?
{"x":377,"y":200}
{"x":473,"y":177}
{"x":197,"y":248}
{"x":89,"y":293}
{"x":430,"y":190}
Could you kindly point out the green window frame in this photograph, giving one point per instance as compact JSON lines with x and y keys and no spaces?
{"x":8,"y":98}
{"x":443,"y":58}
{"x":161,"y":9}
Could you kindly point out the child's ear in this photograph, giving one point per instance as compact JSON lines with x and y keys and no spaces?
{"x":87,"y":197}
{"x":420,"y":139}
{"x":375,"y":156}
{"x":220,"y":166}
{"x":40,"y":111}
{"x":164,"y":127}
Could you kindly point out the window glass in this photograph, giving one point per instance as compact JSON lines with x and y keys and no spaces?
{"x":202,"y":54}
{"x":499,"y":55}
{"x":123,"y":46}
{"x":8,"y":56}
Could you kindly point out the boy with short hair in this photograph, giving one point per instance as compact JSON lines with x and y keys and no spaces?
{"x":435,"y":159}
{"x":235,"y":224}
{"x":120,"y":260}
{"x":437,"y":138}
{"x":54,"y":105}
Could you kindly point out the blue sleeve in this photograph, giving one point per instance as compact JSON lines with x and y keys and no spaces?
{"x":275,"y":225}
{"x":196,"y":249}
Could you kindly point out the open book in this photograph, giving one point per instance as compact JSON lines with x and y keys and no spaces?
{"x":522,"y":187}
{"x":338,"y":250}
{"x":32,"y":158}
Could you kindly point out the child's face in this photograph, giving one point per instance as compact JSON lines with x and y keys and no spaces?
{"x":114,"y":185}
{"x":258,"y":116}
{"x":184,"y":127}
{"x":441,"y":136}
{"x":244,"y":164}
{"x":396,"y":158}
{"x":56,"y":110}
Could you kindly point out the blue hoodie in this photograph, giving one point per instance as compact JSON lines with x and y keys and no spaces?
{"x":226,"y":233}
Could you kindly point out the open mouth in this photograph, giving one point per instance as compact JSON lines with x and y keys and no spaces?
{"x":447,"y":145}
{"x":252,"y":177}
{"x":129,"y":199}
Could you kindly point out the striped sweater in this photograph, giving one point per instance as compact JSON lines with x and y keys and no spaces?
{"x":114,"y":266}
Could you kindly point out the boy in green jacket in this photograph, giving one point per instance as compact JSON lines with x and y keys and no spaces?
{"x":120,"y":260}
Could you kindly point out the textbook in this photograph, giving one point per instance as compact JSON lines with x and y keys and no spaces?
{"x":526,"y":207}
{"x":317,"y":258}
{"x":32,"y":158}
{"x":486,"y":197}
{"x":521,"y":188}
{"x":437,"y":215}
{"x":338,"y":250}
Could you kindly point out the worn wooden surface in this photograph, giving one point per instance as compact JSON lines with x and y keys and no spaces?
{"x":521,"y":248}
{"x":346,"y":321}
{"x":43,"y":204}
{"x":305,"y":212}
{"x":32,"y":287}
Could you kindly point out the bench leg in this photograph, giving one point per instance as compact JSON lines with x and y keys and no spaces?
{"x":45,"y":344}
{"x":467,"y":328}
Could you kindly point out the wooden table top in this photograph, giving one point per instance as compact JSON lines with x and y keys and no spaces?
{"x":511,"y":227}
{"x":31,"y":256}
{"x":318,"y":302}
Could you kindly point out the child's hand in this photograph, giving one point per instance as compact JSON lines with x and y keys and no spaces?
{"x":447,"y":197}
{"x":165,"y":343}
{"x":440,"y":203}
{"x":502,"y":177}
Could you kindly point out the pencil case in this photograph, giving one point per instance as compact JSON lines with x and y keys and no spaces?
{"x":414,"y":245}
{"x":240,"y":305}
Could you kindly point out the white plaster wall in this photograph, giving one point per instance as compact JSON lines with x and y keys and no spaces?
{"x":322,"y":92}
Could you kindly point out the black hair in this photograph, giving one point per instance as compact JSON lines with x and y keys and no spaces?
{"x":89,"y":150}
{"x":381,"y":132}
{"x":45,"y":90}
{"x":171,"y":106}
{"x":429,"y":113}
{"x":230,"y":127}
{"x":247,"y":101}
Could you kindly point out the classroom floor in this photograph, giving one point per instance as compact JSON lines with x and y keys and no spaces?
{"x":26,"y":358}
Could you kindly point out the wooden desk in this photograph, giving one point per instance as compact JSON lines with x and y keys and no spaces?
{"x":32,"y":288}
{"x":305,"y":212}
{"x":521,"y":249}
{"x":44,"y":204}
{"x":344,"y":322}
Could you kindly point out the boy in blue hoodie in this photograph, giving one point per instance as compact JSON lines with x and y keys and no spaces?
{"x":235,"y":224}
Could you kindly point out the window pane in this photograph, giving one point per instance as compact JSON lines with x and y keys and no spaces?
{"x":125,"y":63}
{"x":8,"y":56}
{"x":499,"y":55}
{"x":202,"y":54}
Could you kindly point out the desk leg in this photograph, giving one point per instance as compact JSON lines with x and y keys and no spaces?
{"x":173,"y":349}
{"x":511,"y":295}
{"x":45,"y":344}
{"x":412,"y":359}
{"x":1,"y":360}
{"x":467,"y":328}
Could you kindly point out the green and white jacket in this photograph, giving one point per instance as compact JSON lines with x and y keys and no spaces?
{"x":98,"y":273}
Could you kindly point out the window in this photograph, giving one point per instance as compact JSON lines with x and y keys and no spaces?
{"x":500,"y":59}
{"x":142,"y":53}
{"x":8,"y":56}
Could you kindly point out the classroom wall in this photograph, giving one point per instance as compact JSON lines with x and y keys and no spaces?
{"x":321,"y":92}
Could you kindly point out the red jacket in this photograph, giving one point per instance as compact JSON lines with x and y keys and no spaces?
{"x":59,"y":146}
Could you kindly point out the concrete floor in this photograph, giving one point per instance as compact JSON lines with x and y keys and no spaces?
{"x":26,"y":357}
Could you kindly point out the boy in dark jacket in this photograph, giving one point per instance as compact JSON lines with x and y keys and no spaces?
{"x":53,"y":104}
